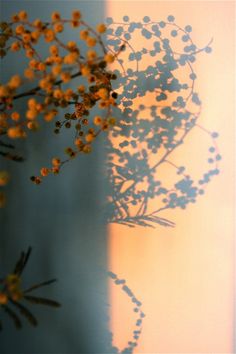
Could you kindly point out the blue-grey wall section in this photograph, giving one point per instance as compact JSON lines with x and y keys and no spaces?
{"x":62,"y":221}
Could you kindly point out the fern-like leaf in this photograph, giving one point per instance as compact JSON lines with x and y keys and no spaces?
{"x":42,"y":301}
{"x":36,"y":286}
{"x":26,"y":313}
{"x":13,"y":316}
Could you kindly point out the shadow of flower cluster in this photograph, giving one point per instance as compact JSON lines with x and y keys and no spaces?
{"x":158,"y":107}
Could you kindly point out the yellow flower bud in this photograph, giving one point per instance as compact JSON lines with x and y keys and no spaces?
{"x":26,"y":37}
{"x":56,"y":70}
{"x":32,"y":103}
{"x":89,"y":138}
{"x":29,"y":53}
{"x":33,"y":64}
{"x":56,"y":162}
{"x":78,"y":142}
{"x":109,"y":58}
{"x":71,"y":45}
{"x":15,"y":18}
{"x":2,"y":203}
{"x":57,"y":59}
{"x":55,"y":16}
{"x":44,"y":171}
{"x":76,"y":15}
{"x":55,"y":170}
{"x":70,"y":58}
{"x":49,"y":35}
{"x":3,"y":91}
{"x":91,"y":42}
{"x":91,"y":54}
{"x":97,"y":120}
{"x":14,"y":82}
{"x":4,"y":178}
{"x":101,"y":28}
{"x":29,"y":74}
{"x":68,"y":94}
{"x":112,"y":121}
{"x":85,"y":71}
{"x":84,"y":34}
{"x":31,"y":114}
{"x":103,"y":93}
{"x":35,"y":36}
{"x":38,"y":23}
{"x":50,"y":115}
{"x":16,"y":295}
{"x":3,"y":297}
{"x":15,"y":132}
{"x":15,"y":46}
{"x":75,"y":24}
{"x":20,"y":29}
{"x":105,"y":126}
{"x":58,"y":27}
{"x":33,"y":125}
{"x":87,"y":149}
{"x":81,"y":88}
{"x":23,"y":15}
{"x":58,"y":93}
{"x":65,"y":76}
{"x":15,"y":116}
{"x":53,"y":50}
{"x":41,"y":67}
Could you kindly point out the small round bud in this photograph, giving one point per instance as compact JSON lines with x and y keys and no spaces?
{"x":55,"y":16}
{"x":109,"y":58}
{"x":97,"y":120}
{"x":44,"y":171}
{"x":114,"y":94}
{"x":85,"y":121}
{"x":89,"y":138}
{"x":76,"y":15}
{"x":101,"y":28}
{"x":87,"y":149}
{"x":56,"y":161}
{"x":67,"y":115}
{"x":91,"y":42}
{"x":112,"y":121}
{"x":3,"y":299}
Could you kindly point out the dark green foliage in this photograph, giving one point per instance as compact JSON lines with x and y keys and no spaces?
{"x":11,"y":290}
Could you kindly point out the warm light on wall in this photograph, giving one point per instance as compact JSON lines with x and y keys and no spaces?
{"x":184,"y":275}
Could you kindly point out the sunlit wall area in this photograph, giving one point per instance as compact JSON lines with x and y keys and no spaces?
{"x":184,"y":275}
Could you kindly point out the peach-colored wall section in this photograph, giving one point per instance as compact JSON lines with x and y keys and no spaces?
{"x":184,"y":276}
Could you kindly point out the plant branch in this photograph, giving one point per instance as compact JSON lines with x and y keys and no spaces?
{"x":36,"y":89}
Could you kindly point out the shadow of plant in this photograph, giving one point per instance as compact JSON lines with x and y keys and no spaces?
{"x":156,"y":66}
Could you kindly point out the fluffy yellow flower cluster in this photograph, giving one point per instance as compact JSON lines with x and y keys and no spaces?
{"x":53,"y":74}
{"x":83,"y":138}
